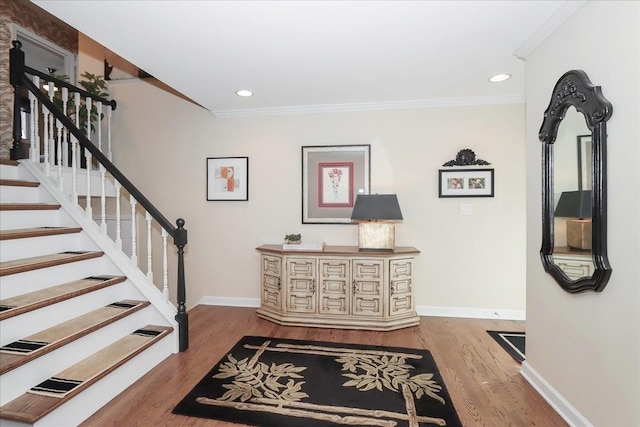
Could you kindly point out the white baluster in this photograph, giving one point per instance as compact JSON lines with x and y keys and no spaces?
{"x":34,"y":149}
{"x":89,"y":210}
{"x":51,"y":140}
{"x":134,"y":252}
{"x":103,"y":201}
{"x":65,"y":134}
{"x":109,"y":110}
{"x":99,"y":127}
{"x":75,"y":150}
{"x":45,"y":128}
{"x":165,"y":269}
{"x":149,"y":262}
{"x":118,"y":240}
{"x":59,"y":154}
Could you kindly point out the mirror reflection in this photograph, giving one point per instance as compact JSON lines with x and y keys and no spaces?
{"x":572,"y":196}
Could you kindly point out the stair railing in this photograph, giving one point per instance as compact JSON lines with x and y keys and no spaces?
{"x":62,"y":138}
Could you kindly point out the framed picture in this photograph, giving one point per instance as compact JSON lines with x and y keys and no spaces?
{"x":227,"y":178}
{"x":584,"y":162}
{"x":465,"y":183}
{"x":332,"y":177}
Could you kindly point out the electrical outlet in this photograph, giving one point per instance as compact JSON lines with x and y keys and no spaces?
{"x":465,"y":209}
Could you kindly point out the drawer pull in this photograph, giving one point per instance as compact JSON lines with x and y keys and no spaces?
{"x":391,"y":289}
{"x":354,"y":287}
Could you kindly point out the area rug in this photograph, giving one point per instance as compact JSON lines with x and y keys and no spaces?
{"x":512,"y":342}
{"x":271,"y":382}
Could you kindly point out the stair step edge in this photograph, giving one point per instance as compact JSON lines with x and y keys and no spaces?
{"x":28,"y":207}
{"x":31,"y":301}
{"x":59,"y":335}
{"x":18,"y":183}
{"x":25,"y":233}
{"x":31,"y":407}
{"x":44,"y":261}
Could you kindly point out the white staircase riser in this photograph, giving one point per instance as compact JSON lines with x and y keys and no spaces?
{"x":18,"y":194}
{"x":13,"y":172}
{"x":44,"y":245}
{"x":19,"y":380}
{"x":26,"y":324}
{"x":10,"y":220}
{"x":86,"y":403}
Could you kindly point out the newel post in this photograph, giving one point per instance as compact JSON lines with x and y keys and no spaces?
{"x":180,"y":240}
{"x":16,"y":67}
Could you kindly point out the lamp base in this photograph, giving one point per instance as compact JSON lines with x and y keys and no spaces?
{"x":579,"y":234}
{"x":376,"y":236}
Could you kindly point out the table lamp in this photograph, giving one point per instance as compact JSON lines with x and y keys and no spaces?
{"x":375,"y":214}
{"x":576,"y":205}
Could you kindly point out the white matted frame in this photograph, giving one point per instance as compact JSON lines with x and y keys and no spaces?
{"x":332,"y":177}
{"x":227,"y":178}
{"x":466,"y":183}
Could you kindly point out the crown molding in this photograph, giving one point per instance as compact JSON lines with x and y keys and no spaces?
{"x":370,"y":106}
{"x":554,"y":22}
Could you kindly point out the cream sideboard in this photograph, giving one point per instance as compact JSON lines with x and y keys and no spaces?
{"x":338,"y":287}
{"x":575,"y":264}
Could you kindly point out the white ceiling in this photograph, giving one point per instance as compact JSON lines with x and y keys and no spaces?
{"x":323,"y":55}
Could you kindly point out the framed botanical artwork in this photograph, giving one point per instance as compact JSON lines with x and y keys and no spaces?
{"x":227,"y":178}
{"x":465,"y":183}
{"x":332,"y":177}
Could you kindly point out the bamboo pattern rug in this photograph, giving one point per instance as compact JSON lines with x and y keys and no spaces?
{"x":274,"y":382}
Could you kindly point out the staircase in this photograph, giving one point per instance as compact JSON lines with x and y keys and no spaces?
{"x":76,"y":326}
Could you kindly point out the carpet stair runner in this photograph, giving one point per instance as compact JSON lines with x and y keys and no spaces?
{"x":70,"y":341}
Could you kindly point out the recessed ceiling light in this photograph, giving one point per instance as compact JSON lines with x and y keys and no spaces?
{"x":244,"y":93}
{"x":500,"y":78}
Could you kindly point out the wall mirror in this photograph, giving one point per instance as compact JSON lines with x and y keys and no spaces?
{"x":574,"y":184}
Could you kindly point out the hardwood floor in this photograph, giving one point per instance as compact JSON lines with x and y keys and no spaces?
{"x":483,"y":380}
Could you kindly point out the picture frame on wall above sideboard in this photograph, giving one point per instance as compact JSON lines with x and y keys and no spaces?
{"x":227,"y":178}
{"x":466,"y":183}
{"x":332,"y":177}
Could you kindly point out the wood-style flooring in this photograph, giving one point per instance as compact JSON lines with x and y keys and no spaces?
{"x":483,"y":380}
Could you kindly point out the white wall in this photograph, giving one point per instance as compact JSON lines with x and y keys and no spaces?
{"x":585,"y":348}
{"x":474,"y":263}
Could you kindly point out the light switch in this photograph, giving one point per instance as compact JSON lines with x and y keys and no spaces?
{"x":465,"y":209}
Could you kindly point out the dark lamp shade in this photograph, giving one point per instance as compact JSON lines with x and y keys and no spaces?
{"x":370,"y":207}
{"x":574,"y":204}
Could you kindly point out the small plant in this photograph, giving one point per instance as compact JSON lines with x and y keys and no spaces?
{"x":293,"y":238}
{"x":93,"y":84}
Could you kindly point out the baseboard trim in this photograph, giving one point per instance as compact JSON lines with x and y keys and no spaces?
{"x":553,"y":398}
{"x":473,"y":313}
{"x":230,"y":301}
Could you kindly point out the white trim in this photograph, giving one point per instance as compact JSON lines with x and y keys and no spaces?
{"x":230,"y":301}
{"x":553,"y":397}
{"x":18,"y":32}
{"x":564,"y":12}
{"x":475,"y":313}
{"x":472,"y":313}
{"x":369,"y":106}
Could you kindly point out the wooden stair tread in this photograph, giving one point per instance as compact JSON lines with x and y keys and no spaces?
{"x":23,"y":233}
{"x":24,"y":303}
{"x":22,"y":351}
{"x":43,"y":261}
{"x":28,"y":206}
{"x":9,"y":162}
{"x":18,"y":183}
{"x":40,"y":400}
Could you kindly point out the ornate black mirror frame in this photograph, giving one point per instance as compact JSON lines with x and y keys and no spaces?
{"x":575,"y":89}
